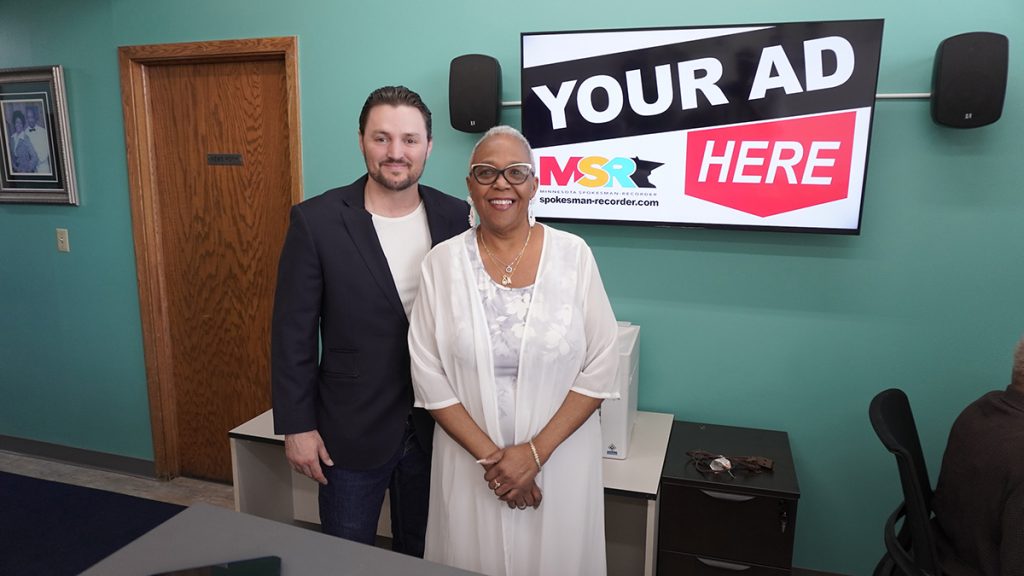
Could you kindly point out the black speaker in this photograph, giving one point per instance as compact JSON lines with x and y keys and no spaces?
{"x":474,"y":92}
{"x":969,"y":79}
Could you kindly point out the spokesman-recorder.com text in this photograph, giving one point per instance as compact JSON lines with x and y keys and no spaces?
{"x":597,"y":201}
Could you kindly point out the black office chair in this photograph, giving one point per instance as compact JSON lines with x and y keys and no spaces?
{"x":911,"y":550}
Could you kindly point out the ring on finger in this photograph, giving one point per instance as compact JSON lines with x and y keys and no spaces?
{"x":497,"y":484}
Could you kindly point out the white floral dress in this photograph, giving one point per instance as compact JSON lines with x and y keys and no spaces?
{"x":506,"y":310}
{"x":563,"y":331}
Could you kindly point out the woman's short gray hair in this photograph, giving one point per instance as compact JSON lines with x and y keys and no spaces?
{"x":503,"y":130}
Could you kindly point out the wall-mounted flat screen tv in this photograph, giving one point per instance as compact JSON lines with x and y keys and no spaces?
{"x":753,"y":126}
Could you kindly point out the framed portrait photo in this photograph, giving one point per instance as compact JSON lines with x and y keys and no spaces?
{"x":35,"y":139}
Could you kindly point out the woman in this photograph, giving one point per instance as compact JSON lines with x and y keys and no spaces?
{"x":23,"y":154}
{"x":512,"y":341}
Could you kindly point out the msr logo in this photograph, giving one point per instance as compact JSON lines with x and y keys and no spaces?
{"x":597,"y":171}
{"x":773,"y":167}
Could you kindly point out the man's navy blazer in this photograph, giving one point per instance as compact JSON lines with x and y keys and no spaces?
{"x":334,"y":284}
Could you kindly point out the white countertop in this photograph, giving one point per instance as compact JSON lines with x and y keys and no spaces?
{"x":639,"y":474}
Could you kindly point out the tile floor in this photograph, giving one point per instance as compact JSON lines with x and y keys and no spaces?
{"x":184,"y":491}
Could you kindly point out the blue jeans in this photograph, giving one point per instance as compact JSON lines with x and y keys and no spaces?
{"x":350,"y":503}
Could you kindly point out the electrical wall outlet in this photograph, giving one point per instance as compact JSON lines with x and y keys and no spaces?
{"x":63,"y":245}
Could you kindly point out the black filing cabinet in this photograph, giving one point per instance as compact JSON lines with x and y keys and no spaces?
{"x":720,"y":524}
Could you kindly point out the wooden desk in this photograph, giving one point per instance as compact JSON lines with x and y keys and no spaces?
{"x":204,"y":534}
{"x":266,"y":486}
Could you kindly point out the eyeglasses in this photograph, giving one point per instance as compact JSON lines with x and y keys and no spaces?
{"x":514,"y":173}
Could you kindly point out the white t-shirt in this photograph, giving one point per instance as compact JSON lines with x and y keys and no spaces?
{"x":405,"y":240}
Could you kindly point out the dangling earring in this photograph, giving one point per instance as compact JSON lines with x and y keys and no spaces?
{"x":530,"y":216}
{"x":472,"y":212}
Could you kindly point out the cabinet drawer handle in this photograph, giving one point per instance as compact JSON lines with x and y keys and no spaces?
{"x":723,"y":565}
{"x":727,"y":496}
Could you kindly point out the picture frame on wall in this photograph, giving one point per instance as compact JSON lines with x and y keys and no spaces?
{"x":35,"y":139}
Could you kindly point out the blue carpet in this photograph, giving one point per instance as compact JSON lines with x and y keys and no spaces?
{"x":54,"y":529}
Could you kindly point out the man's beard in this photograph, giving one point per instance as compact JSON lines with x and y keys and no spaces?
{"x":393,"y":185}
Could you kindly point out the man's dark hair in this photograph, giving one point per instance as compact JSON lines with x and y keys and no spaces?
{"x":394,"y":96}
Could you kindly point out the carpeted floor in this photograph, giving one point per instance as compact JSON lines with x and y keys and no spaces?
{"x":58,"y":529}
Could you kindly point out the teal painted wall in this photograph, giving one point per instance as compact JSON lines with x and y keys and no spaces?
{"x":782,"y":331}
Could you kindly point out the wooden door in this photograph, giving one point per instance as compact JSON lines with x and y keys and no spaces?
{"x":220,"y":173}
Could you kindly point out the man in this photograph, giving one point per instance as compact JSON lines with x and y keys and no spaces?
{"x":348,"y":274}
{"x":40,"y":141}
{"x":979,"y":498}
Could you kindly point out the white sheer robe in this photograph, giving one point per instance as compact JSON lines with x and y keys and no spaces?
{"x":568,"y":344}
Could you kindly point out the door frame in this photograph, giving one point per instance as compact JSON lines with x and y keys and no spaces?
{"x":133,"y":62}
